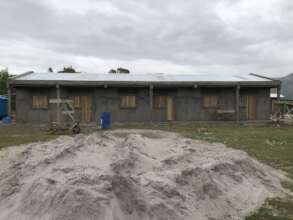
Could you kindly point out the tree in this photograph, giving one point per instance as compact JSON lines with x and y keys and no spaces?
{"x":67,"y":70}
{"x":4,"y":76}
{"x":123,"y":70}
{"x":120,"y":70}
{"x":50,"y":70}
{"x":112,"y":71}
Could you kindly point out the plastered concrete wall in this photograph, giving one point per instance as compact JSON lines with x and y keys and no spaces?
{"x":24,"y":111}
{"x":188,"y":103}
{"x":108,"y":99}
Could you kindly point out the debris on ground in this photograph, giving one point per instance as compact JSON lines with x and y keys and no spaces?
{"x":130,"y":175}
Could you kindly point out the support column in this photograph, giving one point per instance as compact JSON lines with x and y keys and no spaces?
{"x":58,"y":104}
{"x":237,"y":98}
{"x":151,"y":94}
{"x":278,"y":93}
{"x":9,"y":100}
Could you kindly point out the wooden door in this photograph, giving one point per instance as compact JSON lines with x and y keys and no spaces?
{"x":86,"y":108}
{"x":250,"y":107}
{"x":170,"y":108}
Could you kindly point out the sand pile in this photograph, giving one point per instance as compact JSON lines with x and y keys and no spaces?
{"x":130,"y":175}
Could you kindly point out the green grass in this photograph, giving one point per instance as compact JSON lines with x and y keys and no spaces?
{"x":267,"y":143}
{"x":274,"y":209}
{"x":16,"y":135}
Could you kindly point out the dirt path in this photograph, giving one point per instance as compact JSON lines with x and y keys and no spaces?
{"x":130,"y":175}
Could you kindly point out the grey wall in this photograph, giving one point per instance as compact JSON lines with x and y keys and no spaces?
{"x":24,"y":111}
{"x":188,"y":103}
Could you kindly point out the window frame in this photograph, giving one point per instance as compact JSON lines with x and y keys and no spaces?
{"x":33,"y":105}
{"x":73,"y":97}
{"x":157,"y":102}
{"x":128,"y":107}
{"x":210,"y":107}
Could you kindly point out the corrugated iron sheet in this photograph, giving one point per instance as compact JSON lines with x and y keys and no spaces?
{"x":157,"y":77}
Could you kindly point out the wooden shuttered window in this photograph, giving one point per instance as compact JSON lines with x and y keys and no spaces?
{"x":40,"y":102}
{"x":210,"y":101}
{"x":128,"y":101}
{"x":76,"y":101}
{"x":160,"y":101}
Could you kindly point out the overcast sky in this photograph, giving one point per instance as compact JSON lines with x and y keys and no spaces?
{"x":171,"y":36}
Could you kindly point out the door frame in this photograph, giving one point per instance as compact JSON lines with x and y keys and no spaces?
{"x":250,"y":104}
{"x":170,"y":108}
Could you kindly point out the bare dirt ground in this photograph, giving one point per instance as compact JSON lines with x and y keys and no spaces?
{"x":130,"y":175}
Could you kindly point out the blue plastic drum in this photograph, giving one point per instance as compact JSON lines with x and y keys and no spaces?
{"x":3,"y":106}
{"x":106,"y":120}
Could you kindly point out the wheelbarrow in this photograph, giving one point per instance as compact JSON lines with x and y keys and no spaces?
{"x":57,"y":128}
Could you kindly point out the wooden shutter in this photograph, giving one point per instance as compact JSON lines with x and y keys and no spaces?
{"x":128,"y":101}
{"x":160,"y":102}
{"x":40,"y":102}
{"x":210,"y":101}
{"x":76,"y":101}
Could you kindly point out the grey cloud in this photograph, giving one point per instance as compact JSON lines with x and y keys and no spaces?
{"x":233,"y":35}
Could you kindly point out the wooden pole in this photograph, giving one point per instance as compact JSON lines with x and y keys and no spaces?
{"x":278,"y":93}
{"x":237,"y":94}
{"x":58,"y":104}
{"x":9,"y":100}
{"x":151,"y":94}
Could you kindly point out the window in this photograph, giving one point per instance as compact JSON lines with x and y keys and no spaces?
{"x":210,"y":101}
{"x":160,"y":101}
{"x":40,"y":102}
{"x":76,"y":101}
{"x":128,"y":101}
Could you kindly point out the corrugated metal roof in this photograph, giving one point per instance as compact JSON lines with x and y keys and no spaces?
{"x":154,"y":77}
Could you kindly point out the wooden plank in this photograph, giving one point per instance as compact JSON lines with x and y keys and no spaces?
{"x":86,"y":108}
{"x":39,"y":102}
{"x":67,"y":112}
{"x":237,"y":102}
{"x":250,"y":107}
{"x":210,"y":101}
{"x":9,"y":99}
{"x":170,"y":108}
{"x":60,"y":101}
{"x":226,"y":111}
{"x":58,"y":104}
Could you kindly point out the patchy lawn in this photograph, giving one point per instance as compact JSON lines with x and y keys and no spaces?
{"x":20,"y":134}
{"x":267,"y":143}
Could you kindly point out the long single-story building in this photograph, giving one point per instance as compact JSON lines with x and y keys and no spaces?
{"x":144,"y":97}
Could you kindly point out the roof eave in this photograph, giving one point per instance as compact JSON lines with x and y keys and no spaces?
{"x":18,"y":82}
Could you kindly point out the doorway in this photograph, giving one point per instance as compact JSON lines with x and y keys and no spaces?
{"x":170,"y":108}
{"x":250,"y":107}
{"x":86,"y":108}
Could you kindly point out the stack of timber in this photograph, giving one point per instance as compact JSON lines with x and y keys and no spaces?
{"x":284,"y":112}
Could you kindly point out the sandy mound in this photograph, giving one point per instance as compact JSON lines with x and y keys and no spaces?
{"x":130,"y":175}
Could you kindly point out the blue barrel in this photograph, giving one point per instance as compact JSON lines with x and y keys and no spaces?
{"x":3,"y":106}
{"x":6,"y":120}
{"x":106,"y":120}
